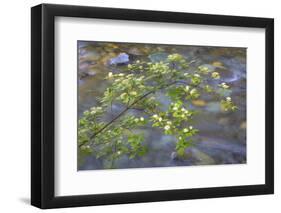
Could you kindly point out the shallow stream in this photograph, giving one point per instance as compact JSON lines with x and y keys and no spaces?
{"x":222,"y":137}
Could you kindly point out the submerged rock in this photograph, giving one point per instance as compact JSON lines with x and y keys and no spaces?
{"x":174,"y":156}
{"x":199,"y":103}
{"x":194,"y":156}
{"x":214,"y":107}
{"x":243,"y":125}
{"x":122,"y":58}
{"x":218,"y":64}
{"x":135,"y":51}
{"x":157,"y":57}
{"x":200,"y":157}
{"x":223,"y":152}
{"x":92,"y":72}
{"x":237,"y":70}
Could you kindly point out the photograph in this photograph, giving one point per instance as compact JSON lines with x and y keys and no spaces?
{"x":146,"y":105}
{"x":133,"y":105}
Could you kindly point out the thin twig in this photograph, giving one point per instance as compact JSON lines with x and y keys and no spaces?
{"x":128,"y":108}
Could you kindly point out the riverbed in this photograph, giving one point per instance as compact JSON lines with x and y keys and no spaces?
{"x":222,"y":137}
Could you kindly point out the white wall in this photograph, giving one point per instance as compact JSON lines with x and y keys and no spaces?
{"x":15,"y":105}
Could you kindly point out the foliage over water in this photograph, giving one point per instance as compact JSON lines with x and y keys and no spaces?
{"x":222,"y":135}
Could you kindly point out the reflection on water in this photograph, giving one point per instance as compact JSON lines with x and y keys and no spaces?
{"x":222,"y":138}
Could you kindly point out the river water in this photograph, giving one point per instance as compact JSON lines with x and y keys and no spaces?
{"x":222,"y":137}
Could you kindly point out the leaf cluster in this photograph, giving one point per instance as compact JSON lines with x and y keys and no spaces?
{"x":136,"y":89}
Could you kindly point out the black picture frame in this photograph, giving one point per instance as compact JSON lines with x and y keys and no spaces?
{"x":43,"y":102}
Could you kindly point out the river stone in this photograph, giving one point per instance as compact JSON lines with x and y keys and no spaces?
{"x":157,"y":57}
{"x":174,"y":156}
{"x":200,"y":157}
{"x":236,"y":71}
{"x":214,"y":107}
{"x":218,"y":64}
{"x":92,"y":72}
{"x":91,"y":55}
{"x":224,"y":121}
{"x":209,"y":145}
{"x":135,"y":51}
{"x":122,"y":58}
{"x":243,"y":125}
{"x":199,"y":103}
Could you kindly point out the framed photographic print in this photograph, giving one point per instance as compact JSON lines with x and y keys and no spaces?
{"x":139,"y":106}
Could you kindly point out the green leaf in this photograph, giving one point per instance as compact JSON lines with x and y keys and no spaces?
{"x":138,"y":89}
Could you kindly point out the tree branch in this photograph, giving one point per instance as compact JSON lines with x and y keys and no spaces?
{"x":121,"y":113}
{"x":128,"y":108}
